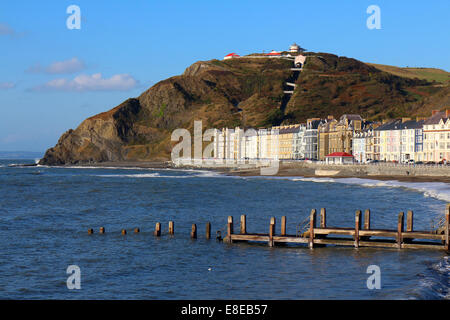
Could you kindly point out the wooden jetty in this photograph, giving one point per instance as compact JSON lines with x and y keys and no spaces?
{"x":361,"y":235}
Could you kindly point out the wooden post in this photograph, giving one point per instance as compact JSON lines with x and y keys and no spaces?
{"x":283,"y":225}
{"x":367,"y":219}
{"x":271,"y":231}
{"x":323,"y":218}
{"x":400,"y":223}
{"x":194,"y":231}
{"x":447,"y":227}
{"x":102,"y":230}
{"x":171,"y":228}
{"x":157,"y":232}
{"x":229,"y":228}
{"x":409,"y":221}
{"x":136,"y":230}
{"x":208,"y":230}
{"x":124,"y":232}
{"x":243,"y":224}
{"x":357,"y":227}
{"x":312,"y":225}
{"x":90,"y":231}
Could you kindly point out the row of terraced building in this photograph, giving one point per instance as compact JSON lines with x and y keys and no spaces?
{"x":350,"y":136}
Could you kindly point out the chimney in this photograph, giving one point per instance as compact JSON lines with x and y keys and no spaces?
{"x":405,"y":119}
{"x":330,"y":117}
{"x":420,"y":118}
{"x":434,"y":112}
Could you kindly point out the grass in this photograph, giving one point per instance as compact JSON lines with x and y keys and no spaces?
{"x":429,"y":74}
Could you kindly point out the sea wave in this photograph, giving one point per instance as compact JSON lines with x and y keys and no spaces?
{"x":438,"y":190}
{"x":435,"y":283}
{"x":197,"y":174}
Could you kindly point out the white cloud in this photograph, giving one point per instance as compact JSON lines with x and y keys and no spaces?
{"x":6,"y":30}
{"x":59,"y":67}
{"x":7,"y":85}
{"x":95,"y":82}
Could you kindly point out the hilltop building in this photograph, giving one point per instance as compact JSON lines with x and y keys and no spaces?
{"x":231,"y":56}
{"x":273,"y":53}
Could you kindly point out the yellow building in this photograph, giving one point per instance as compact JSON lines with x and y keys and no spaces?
{"x":336,"y":136}
{"x":286,"y":140}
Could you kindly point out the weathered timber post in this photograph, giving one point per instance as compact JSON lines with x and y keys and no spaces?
{"x":102,"y":230}
{"x":194,"y":231}
{"x":208,"y":230}
{"x":367,"y":219}
{"x":409,"y":221}
{"x":136,"y":230}
{"x":157,"y":232}
{"x":283,"y":225}
{"x":90,"y":231}
{"x":271,"y":231}
{"x":447,"y":227}
{"x":243,"y":224}
{"x":124,"y":232}
{"x":171,"y":228}
{"x":312,"y":225}
{"x":400,"y":223}
{"x":323,"y":218}
{"x":229,"y":229}
{"x":357,"y":227}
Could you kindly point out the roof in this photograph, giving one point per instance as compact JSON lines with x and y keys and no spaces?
{"x":339,"y":154}
{"x":412,"y":124}
{"x":391,"y":125}
{"x":435,"y":119}
{"x":232,"y":55}
{"x":314,"y":124}
{"x":273,"y":53}
{"x":289,"y":130}
{"x":350,"y":117}
{"x":399,"y":125}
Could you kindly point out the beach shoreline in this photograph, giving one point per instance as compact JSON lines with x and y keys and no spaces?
{"x":285,"y":170}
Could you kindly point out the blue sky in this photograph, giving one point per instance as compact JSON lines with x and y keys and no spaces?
{"x":52,"y":78}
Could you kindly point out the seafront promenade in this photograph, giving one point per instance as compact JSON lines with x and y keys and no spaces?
{"x":321,"y":169}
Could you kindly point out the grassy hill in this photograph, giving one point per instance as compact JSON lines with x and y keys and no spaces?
{"x":247,"y":92}
{"x":429,"y":74}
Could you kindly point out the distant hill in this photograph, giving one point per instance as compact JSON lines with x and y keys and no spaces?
{"x":248,"y":92}
{"x":429,"y":74}
{"x":16,"y":155}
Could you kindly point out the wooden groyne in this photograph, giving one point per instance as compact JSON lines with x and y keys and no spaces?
{"x":361,"y":235}
{"x":314,"y":233}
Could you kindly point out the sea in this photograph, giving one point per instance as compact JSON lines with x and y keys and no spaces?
{"x":45,"y":214}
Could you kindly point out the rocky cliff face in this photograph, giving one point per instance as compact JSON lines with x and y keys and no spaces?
{"x":247,"y":92}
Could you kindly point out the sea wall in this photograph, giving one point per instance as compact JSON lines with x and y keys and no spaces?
{"x":303,"y":168}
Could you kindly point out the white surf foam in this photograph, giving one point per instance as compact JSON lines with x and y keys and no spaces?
{"x":438,"y":190}
{"x":197,"y":174}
